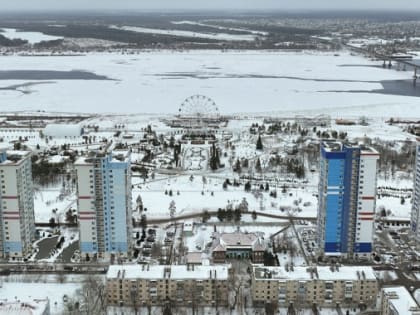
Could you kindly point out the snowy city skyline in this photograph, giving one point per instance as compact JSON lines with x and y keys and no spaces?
{"x":378,"y":5}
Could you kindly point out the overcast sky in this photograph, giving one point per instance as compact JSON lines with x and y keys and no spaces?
{"x":24,"y":5}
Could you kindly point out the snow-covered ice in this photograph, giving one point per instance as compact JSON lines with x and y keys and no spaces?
{"x":238,"y":81}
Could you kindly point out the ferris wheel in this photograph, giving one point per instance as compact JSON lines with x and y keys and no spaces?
{"x":198,"y":106}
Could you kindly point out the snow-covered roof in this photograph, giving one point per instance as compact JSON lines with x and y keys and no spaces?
{"x":194,"y":258}
{"x":63,"y":130}
{"x":12,"y":157}
{"x":115,"y":156}
{"x":400,"y":300}
{"x":219,"y":248}
{"x":349,"y":273}
{"x":238,"y":239}
{"x":34,"y":307}
{"x":338,"y":146}
{"x":175,"y":272}
{"x":57,"y":159}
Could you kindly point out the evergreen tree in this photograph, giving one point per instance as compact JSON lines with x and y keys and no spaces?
{"x":259,"y":143}
{"x":258,"y":167}
{"x":237,"y":167}
{"x":221,"y":214}
{"x":214,"y":158}
{"x":247,"y":186}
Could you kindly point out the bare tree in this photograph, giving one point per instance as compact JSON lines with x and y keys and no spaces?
{"x":91,"y":299}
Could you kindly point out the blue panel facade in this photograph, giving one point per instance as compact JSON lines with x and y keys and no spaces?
{"x":88,"y":247}
{"x":12,"y":247}
{"x":335,"y":210}
{"x":3,"y":156}
{"x":115,"y":204}
{"x":363,"y":247}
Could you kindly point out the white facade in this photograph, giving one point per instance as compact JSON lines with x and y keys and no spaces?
{"x":17,"y":221}
{"x":415,"y":211}
{"x":366,"y":197}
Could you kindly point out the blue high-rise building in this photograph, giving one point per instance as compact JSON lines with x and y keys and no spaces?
{"x":104,"y":203}
{"x":346,"y":202}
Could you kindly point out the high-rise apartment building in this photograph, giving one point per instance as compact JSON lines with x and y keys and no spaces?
{"x":104,"y":203}
{"x":415,"y":208}
{"x":346,"y":202}
{"x":17,"y":221}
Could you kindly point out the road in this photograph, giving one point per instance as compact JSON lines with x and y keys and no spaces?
{"x":68,"y":252}
{"x":45,"y":247}
{"x":214,"y":213}
{"x":302,"y":250}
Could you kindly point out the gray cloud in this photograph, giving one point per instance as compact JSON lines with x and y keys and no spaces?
{"x":23,"y":5}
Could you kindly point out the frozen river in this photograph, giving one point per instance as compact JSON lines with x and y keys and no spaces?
{"x":158,"y":82}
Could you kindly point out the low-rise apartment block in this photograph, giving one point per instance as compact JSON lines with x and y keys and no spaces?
{"x":187,"y":285}
{"x":398,"y":301}
{"x":322,"y":286}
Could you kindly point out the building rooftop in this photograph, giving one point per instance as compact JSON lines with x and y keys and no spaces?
{"x":194,"y":258}
{"x":338,"y":146}
{"x":238,"y":239}
{"x":13,"y":157}
{"x":175,"y":272}
{"x":401,"y":300}
{"x":312,"y":273}
{"x":115,"y":156}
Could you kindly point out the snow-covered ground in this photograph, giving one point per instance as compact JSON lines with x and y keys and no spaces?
{"x":191,"y":199}
{"x":238,"y":81}
{"x":55,"y":292}
{"x":47,"y":199}
{"x":31,"y":37}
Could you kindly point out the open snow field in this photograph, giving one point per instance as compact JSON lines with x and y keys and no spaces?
{"x":9,"y":291}
{"x":191,"y":200}
{"x":242,"y":81}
